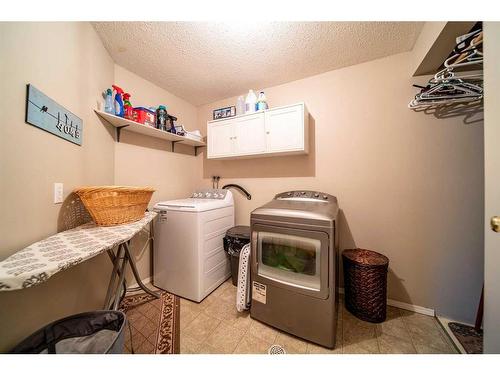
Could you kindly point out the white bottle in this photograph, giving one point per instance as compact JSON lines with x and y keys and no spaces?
{"x":240,"y":105}
{"x":250,"y":102}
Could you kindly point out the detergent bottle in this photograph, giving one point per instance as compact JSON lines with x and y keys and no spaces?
{"x":127,"y":107}
{"x":250,"y":102}
{"x":119,"y":111}
{"x":262,"y":102}
{"x":108,"y":105}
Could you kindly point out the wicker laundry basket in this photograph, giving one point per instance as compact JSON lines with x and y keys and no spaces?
{"x":365,"y":284}
{"x":113,"y":205}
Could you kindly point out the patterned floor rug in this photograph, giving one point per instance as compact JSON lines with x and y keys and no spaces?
{"x":471,"y":340}
{"x":154,"y":324}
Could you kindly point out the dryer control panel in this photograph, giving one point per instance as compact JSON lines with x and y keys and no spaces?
{"x":210,"y":194}
{"x":305,"y":195}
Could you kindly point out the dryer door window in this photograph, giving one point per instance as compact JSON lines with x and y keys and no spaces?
{"x":291,"y":259}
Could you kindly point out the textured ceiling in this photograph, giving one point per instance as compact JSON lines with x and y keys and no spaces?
{"x":206,"y":61}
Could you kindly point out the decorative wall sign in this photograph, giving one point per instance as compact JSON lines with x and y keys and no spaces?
{"x":224,"y":112}
{"x":46,"y":114}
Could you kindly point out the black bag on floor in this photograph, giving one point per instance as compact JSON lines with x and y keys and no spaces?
{"x":94,"y":332}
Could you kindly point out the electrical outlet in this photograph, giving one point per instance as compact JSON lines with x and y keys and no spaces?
{"x":58,"y":192}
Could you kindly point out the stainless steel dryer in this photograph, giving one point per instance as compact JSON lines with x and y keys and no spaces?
{"x":294,"y":242}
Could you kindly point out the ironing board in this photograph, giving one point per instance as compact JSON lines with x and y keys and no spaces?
{"x":36,"y":263}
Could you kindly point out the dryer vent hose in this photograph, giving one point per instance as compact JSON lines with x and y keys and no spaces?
{"x":242,"y":189}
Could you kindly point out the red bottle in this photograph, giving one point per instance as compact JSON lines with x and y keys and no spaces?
{"x":127,"y":107}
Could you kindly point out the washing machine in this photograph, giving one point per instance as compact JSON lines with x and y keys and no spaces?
{"x":294,"y":265}
{"x":189,"y":258}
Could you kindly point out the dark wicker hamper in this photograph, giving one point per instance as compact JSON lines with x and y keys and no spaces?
{"x":365,"y":284}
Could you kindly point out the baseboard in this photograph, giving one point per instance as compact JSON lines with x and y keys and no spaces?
{"x":144,"y":281}
{"x":405,"y":306}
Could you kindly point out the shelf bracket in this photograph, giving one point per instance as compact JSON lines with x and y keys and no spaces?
{"x":173,"y":145}
{"x":196,"y":150}
{"x":118,"y":131}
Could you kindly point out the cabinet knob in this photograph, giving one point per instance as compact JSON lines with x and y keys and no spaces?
{"x":267,"y":132}
{"x":495,"y":224}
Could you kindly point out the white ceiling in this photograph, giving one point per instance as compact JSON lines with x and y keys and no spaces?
{"x":206,"y":61}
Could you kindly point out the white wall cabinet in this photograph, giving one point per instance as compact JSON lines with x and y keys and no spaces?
{"x":277,"y":131}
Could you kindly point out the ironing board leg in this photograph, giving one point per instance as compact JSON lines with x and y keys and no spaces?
{"x":109,"y":293}
{"x":136,"y":273}
{"x":111,"y":255}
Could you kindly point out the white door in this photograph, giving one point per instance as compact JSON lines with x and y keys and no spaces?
{"x":492,"y":187}
{"x":250,"y":135}
{"x":220,"y":139}
{"x":285,"y":129}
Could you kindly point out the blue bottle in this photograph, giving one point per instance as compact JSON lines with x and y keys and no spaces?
{"x":119,"y":110}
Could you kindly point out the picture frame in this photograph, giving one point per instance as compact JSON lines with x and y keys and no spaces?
{"x":224,"y":112}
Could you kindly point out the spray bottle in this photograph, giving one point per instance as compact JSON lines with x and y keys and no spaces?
{"x":118,"y":101}
{"x":127,"y":107}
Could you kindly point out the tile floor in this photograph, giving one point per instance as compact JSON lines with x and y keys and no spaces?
{"x":214,"y":326}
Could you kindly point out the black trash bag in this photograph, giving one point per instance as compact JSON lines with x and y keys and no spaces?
{"x":94,"y":332}
{"x":235,"y":239}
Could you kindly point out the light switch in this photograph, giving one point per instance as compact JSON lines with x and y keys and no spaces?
{"x":58,"y":192}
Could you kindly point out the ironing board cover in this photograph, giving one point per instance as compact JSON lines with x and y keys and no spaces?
{"x":39,"y":261}
{"x":243,"y":291}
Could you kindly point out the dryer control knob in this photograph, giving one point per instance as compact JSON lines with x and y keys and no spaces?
{"x":325,"y":196}
{"x":316,"y":195}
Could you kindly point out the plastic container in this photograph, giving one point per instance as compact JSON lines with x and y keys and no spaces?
{"x":161,"y":118}
{"x":128,"y":110}
{"x":240,"y":105}
{"x":262,"y":102}
{"x":234,"y":240}
{"x":108,"y":104}
{"x":250,"y":102}
{"x":171,"y":127}
{"x":118,"y":103}
{"x":94,"y":332}
{"x":144,"y":116}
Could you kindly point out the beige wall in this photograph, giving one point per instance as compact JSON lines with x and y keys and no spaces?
{"x":146,"y":161}
{"x":410,"y":185}
{"x":68,"y":63}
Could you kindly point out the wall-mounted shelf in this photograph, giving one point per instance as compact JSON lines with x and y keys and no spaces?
{"x":119,"y":123}
{"x":445,"y":40}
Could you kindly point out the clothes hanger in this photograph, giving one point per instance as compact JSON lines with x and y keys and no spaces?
{"x":448,"y":73}
{"x":464,"y":41}
{"x":451,"y":91}
{"x":447,"y":87}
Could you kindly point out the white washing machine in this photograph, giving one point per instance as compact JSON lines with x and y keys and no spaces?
{"x":189,"y":258}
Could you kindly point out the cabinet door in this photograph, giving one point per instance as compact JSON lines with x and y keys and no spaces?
{"x":220,"y":139}
{"x":285,"y":129}
{"x":250,"y":135}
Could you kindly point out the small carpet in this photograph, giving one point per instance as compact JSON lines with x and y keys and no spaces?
{"x":154,"y":323}
{"x":471,"y":340}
